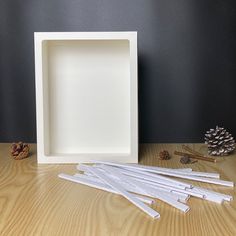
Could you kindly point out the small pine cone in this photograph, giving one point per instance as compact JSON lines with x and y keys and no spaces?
{"x":164,"y":155}
{"x":219,"y":141}
{"x":19,"y":150}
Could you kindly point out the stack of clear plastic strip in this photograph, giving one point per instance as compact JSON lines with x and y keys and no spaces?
{"x":141,"y":184}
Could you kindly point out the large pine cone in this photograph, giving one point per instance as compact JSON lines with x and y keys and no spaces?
{"x":219,"y":141}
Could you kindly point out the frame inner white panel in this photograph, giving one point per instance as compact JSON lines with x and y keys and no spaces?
{"x":86,"y":87}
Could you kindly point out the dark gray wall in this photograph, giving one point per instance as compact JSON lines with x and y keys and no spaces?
{"x":187,"y":61}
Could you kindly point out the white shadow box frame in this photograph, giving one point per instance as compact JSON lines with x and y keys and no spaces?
{"x":86,"y":96}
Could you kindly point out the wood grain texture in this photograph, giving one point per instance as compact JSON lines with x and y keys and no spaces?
{"x":34,"y":201}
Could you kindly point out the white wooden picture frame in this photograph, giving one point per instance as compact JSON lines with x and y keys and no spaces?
{"x":86,"y":96}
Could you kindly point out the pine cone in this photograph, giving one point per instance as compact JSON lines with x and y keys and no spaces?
{"x":164,"y":155}
{"x":219,"y":141}
{"x":19,"y":150}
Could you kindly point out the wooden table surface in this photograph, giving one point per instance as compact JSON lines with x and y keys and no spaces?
{"x":34,"y":201}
